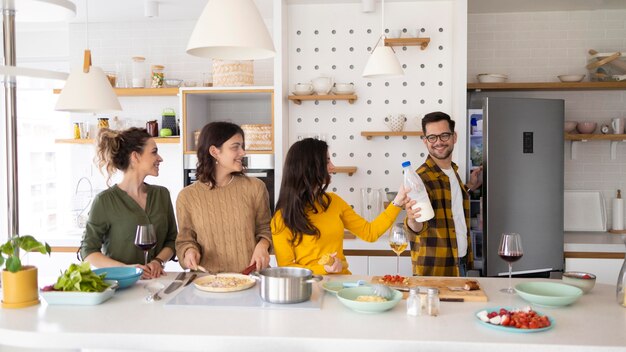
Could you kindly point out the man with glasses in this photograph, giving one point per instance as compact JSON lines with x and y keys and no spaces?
{"x":441,"y":246}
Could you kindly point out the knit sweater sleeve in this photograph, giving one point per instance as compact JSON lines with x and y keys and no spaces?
{"x":262,"y":217}
{"x":187,"y":237}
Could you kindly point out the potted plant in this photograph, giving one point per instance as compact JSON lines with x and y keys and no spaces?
{"x":19,"y":283}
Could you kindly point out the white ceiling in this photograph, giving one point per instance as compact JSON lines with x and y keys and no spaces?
{"x":133,"y":10}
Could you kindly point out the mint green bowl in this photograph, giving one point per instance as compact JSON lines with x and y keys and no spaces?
{"x":548,"y":294}
{"x":348,"y":296}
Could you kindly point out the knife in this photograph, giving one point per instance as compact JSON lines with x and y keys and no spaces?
{"x":190,"y":279}
{"x":249,"y":269}
{"x":176,"y":283}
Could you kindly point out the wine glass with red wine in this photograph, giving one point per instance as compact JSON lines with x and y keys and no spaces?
{"x":145,"y":238}
{"x":510,"y":250}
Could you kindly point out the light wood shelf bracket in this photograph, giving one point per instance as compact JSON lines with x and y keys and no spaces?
{"x":298,"y":99}
{"x":421,"y":42}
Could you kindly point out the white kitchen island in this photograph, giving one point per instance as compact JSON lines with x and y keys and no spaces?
{"x":594,"y":323}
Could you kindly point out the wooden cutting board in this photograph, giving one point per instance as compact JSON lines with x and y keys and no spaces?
{"x":442,"y":284}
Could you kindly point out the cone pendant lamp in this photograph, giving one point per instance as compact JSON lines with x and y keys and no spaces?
{"x":383,"y":61}
{"x":87,"y":89}
{"x":231,"y":30}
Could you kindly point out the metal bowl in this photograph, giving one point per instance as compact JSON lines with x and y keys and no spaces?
{"x":582,"y":280}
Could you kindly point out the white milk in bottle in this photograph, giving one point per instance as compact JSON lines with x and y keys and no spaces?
{"x":417,"y":192}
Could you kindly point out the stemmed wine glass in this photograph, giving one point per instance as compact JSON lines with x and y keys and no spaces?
{"x":510,"y":250}
{"x":145,"y":238}
{"x":398,"y":243}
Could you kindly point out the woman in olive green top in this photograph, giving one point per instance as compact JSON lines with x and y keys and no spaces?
{"x":115,"y":213}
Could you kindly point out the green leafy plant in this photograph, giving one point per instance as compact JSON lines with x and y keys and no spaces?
{"x":9,"y":252}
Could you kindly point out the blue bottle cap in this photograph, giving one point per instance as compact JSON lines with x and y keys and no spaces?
{"x":406,"y":163}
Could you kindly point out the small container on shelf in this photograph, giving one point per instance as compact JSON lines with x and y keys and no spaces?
{"x":157,"y":76}
{"x":139,"y":72}
{"x":103,"y":122}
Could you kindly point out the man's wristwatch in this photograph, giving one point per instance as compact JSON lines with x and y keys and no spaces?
{"x":159,"y":261}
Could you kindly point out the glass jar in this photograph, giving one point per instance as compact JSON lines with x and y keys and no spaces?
{"x":157,"y":76}
{"x":414,"y":303}
{"x":139,"y":72}
{"x":433,"y":302}
{"x":621,"y":282}
{"x":103,"y":122}
{"x":76,"y":130}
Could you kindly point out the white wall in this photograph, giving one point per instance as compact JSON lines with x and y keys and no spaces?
{"x":536,"y":47}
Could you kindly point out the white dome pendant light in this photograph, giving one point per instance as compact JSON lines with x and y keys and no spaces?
{"x":383,"y":61}
{"x":231,"y":30}
{"x":87,"y":89}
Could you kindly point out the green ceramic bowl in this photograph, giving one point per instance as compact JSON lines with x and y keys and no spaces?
{"x":348,"y":296}
{"x":548,"y":294}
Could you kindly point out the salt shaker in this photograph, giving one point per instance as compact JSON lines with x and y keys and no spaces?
{"x":413,"y":303}
{"x":433,"y":302}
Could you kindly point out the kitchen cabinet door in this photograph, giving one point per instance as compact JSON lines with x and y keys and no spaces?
{"x":357,"y":264}
{"x":606,"y":270}
{"x":378,"y":266}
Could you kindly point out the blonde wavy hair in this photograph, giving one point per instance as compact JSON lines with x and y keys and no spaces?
{"x":113,"y":149}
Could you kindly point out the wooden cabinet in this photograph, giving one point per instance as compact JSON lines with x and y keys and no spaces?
{"x":241,"y":105}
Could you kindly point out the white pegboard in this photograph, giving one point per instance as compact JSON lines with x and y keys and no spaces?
{"x":334,"y":40}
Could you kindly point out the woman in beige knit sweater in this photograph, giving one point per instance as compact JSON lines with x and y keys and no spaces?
{"x":223,"y":217}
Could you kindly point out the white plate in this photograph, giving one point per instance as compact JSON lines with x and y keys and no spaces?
{"x":509,"y":328}
{"x":200,"y":283}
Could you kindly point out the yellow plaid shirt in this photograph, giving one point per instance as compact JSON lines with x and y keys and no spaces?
{"x":434,"y":249}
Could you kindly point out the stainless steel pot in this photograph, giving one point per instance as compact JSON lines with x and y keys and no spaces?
{"x":285,"y":284}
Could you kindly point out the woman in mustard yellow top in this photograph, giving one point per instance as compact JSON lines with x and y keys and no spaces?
{"x":309,"y":223}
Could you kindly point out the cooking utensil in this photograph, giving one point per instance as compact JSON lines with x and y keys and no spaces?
{"x":201,"y":268}
{"x":190,"y":279}
{"x":176,"y":283}
{"x":285,"y":284}
{"x":249,"y":269}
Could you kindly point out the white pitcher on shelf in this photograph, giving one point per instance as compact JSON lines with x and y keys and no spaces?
{"x":322,"y":85}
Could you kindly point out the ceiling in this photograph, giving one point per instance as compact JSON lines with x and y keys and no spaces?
{"x":133,"y":10}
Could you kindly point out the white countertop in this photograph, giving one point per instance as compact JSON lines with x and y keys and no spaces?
{"x":594,"y":323}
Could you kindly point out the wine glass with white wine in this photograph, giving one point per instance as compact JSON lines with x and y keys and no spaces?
{"x":398,"y":242}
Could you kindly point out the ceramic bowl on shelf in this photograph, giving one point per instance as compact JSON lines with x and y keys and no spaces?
{"x":172,"y":82}
{"x":583,"y":281}
{"x":570,"y":126}
{"x":586,"y":127}
{"x":491,"y":78}
{"x":571,"y":78}
{"x":343,"y":88}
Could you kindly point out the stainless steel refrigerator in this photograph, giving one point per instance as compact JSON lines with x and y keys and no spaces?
{"x":522,"y":157}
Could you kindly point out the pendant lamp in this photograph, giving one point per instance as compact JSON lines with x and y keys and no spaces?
{"x":87,"y":89}
{"x":383,"y":61}
{"x":231,"y":30}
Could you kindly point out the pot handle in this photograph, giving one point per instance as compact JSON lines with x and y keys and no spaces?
{"x":255,"y":275}
{"x":314,"y":278}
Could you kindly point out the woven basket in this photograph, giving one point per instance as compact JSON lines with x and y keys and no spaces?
{"x":258,"y":137}
{"x":232,"y":73}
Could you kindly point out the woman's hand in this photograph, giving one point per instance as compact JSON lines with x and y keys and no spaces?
{"x":155,"y":269}
{"x":261,"y":255}
{"x":146,"y":275}
{"x":401,"y":198}
{"x":191,"y":259}
{"x":336,"y":267}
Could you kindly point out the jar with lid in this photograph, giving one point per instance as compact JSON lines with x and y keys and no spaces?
{"x":621,"y":282}
{"x":103,"y":122}
{"x":432,"y":305}
{"x":139,"y":72}
{"x":414,"y":303}
{"x":157,"y":76}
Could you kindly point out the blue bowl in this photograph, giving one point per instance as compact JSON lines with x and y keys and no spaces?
{"x":126,"y":276}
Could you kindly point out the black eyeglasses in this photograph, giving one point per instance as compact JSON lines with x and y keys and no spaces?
{"x":444,"y":137}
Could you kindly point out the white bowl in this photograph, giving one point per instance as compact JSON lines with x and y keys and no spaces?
{"x":571,"y":78}
{"x":491,"y":78}
{"x":303,"y":92}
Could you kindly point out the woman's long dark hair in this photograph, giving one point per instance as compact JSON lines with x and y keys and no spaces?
{"x":305,"y":180}
{"x":213,"y":134}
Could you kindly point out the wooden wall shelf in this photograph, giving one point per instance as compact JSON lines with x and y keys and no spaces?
{"x":139,"y":92}
{"x":547,"y":86}
{"x":370,"y":134}
{"x":298,"y":99}
{"x":160,"y":140}
{"x":345,"y":170}
{"x":589,"y":137}
{"x":421,"y":42}
{"x":618,"y":232}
